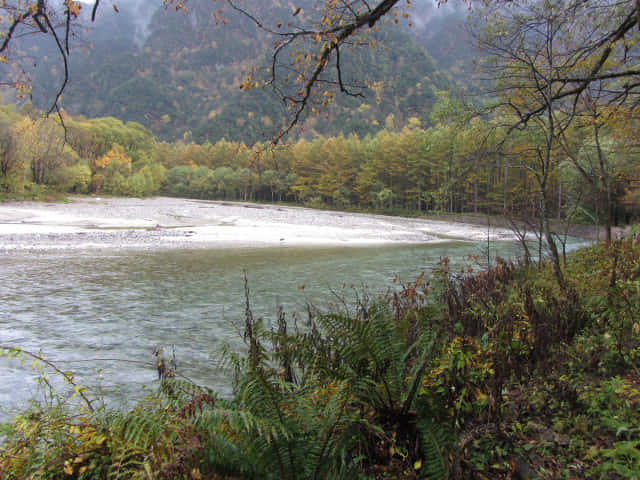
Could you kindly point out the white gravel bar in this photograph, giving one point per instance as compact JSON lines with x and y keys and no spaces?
{"x":134,"y":223}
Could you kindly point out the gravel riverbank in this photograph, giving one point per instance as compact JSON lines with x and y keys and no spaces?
{"x":93,"y":222}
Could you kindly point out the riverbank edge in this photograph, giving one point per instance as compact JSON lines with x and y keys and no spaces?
{"x":587,"y":232}
{"x":583,"y":231}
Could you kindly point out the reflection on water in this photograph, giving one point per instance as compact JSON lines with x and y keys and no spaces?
{"x":83,"y":309}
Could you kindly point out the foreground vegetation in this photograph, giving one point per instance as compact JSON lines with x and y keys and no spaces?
{"x":496,"y":374}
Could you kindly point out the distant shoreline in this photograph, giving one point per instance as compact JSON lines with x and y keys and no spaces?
{"x":587,"y":232}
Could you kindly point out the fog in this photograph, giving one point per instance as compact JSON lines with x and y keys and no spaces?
{"x":130,"y":17}
{"x":138,"y":14}
{"x":424,"y":13}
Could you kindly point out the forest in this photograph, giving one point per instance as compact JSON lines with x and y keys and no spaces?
{"x":500,"y":370}
{"x":460,"y":164}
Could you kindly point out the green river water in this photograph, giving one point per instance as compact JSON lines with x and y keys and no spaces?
{"x":98,"y":313}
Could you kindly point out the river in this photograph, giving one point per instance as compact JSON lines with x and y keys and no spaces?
{"x":101,"y":310}
{"x":83,"y":305}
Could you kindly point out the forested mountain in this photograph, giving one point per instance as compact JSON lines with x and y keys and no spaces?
{"x":179,"y":74}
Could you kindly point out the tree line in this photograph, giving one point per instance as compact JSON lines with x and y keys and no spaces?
{"x":462,"y":163}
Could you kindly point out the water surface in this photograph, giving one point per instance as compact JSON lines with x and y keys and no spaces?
{"x":86,"y":309}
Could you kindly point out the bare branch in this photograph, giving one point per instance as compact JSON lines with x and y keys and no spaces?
{"x":94,"y":10}
{"x":12,"y":27}
{"x":65,"y":62}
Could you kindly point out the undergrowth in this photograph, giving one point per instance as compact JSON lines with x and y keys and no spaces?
{"x":31,"y":192}
{"x":497,"y":374}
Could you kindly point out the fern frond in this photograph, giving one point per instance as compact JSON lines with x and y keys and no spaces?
{"x":434,"y":438}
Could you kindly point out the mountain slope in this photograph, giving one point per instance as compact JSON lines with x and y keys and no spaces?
{"x":179,"y":75}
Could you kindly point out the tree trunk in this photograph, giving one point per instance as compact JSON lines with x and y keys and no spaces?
{"x":506,"y":187}
{"x":608,"y":206}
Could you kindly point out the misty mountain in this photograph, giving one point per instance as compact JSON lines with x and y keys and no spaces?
{"x":178,"y":74}
{"x":444,"y":32}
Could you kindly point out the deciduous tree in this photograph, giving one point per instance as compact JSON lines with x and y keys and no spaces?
{"x":10,"y":165}
{"x":42,"y":146}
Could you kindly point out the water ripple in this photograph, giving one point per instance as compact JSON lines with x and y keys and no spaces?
{"x":77,"y":306}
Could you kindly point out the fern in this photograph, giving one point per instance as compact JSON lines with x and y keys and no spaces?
{"x":434,"y":438}
{"x":323,"y":403}
{"x":318,"y":414}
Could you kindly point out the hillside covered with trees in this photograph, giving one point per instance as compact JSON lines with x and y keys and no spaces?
{"x":180,"y":74}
